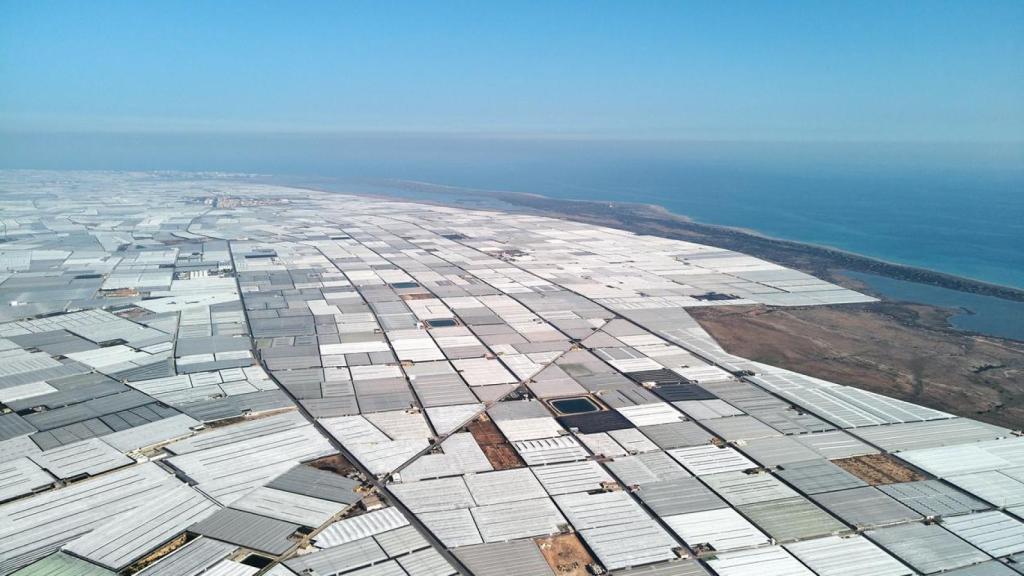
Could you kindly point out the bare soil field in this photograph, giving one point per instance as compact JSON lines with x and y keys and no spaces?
{"x":878,"y":469}
{"x":565,"y":554}
{"x":901,"y":350}
{"x":159,"y":553}
{"x":499,"y":452}
{"x":335,"y":463}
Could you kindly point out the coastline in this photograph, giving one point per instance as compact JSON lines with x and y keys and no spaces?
{"x":657,"y":220}
{"x":900,"y":348}
{"x":837,"y":266}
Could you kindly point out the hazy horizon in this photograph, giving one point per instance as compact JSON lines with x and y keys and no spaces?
{"x":245,"y":151}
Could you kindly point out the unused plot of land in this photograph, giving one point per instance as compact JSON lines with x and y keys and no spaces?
{"x":878,"y":469}
{"x":335,"y":463}
{"x":905,"y":351}
{"x":499,"y":452}
{"x":565,"y":554}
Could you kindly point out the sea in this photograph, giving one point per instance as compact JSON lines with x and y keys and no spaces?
{"x":951,"y":207}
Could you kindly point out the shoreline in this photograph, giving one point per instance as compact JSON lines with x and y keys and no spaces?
{"x":900,"y":348}
{"x":657,"y":220}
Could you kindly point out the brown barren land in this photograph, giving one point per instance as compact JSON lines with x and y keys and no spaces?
{"x":878,"y":469}
{"x":159,"y":554}
{"x":565,"y":554}
{"x":335,"y":463}
{"x":499,"y":452}
{"x":900,"y":350}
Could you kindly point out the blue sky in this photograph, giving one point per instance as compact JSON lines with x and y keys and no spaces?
{"x":818,"y":70}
